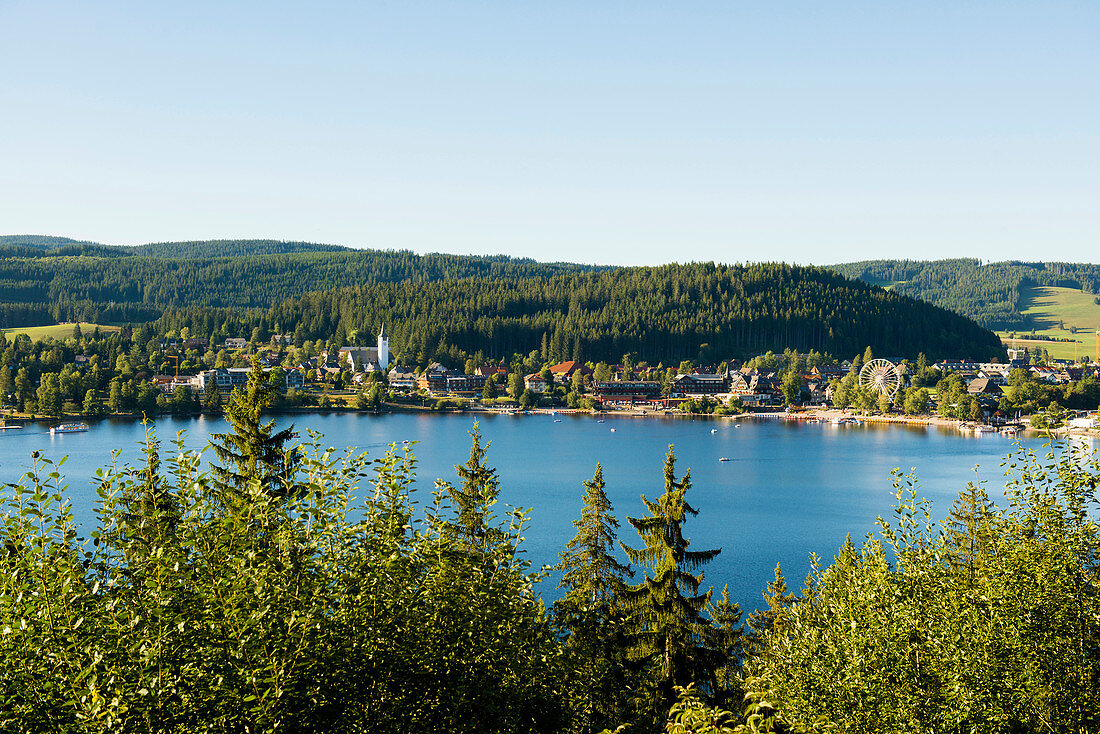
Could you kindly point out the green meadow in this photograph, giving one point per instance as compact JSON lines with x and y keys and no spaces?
{"x":56,"y":331}
{"x":1060,"y":313}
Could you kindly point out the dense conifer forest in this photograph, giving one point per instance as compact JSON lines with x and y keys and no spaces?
{"x":990,"y":294}
{"x":496,"y":305}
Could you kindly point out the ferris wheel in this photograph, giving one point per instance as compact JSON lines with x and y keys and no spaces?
{"x":881,"y":376}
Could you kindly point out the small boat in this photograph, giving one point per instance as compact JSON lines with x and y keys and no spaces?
{"x":724,"y":458}
{"x":601,"y":420}
{"x":612,"y":430}
{"x":5,"y":427}
{"x":714,"y":430}
{"x":557,"y":420}
{"x":69,"y":428}
{"x":738,"y":425}
{"x":984,"y":429}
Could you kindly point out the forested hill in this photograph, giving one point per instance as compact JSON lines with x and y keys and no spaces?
{"x":499,"y":305}
{"x":45,"y":280}
{"x":990,"y":294}
{"x":668,"y":313}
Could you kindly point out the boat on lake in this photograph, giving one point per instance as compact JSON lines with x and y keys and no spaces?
{"x":14,"y":427}
{"x":724,"y":458}
{"x":70,"y":428}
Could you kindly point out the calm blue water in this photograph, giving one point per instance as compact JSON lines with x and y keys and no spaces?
{"x":787,"y":490}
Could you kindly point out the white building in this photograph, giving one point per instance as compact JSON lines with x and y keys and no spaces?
{"x":366,"y":358}
{"x":1088,"y":420}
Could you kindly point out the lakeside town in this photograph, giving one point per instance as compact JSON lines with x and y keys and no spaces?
{"x":92,"y":376}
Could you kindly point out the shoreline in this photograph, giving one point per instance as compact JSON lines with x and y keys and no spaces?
{"x":811,"y":415}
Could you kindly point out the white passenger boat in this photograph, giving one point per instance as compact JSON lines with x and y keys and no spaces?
{"x":70,"y":428}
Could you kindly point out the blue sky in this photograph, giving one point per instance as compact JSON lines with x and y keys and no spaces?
{"x":599,"y":132}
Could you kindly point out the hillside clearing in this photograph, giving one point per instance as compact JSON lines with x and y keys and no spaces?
{"x":56,"y":331}
{"x":1060,"y":313}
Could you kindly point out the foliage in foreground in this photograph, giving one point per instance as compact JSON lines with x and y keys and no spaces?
{"x":296,"y":612}
{"x":990,"y":623}
{"x":265,"y":597}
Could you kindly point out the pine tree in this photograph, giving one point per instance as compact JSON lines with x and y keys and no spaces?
{"x":593,"y":577}
{"x":762,"y":621}
{"x":728,"y":641}
{"x":666,"y":628}
{"x":969,"y":532}
{"x":474,"y":498}
{"x":593,"y":580}
{"x":253,"y":451}
{"x":151,"y":512}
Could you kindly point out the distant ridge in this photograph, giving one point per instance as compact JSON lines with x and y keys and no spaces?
{"x":182,"y":250}
{"x":990,"y":293}
{"x":41,"y":241}
{"x":231,"y":248}
{"x":33,"y":245}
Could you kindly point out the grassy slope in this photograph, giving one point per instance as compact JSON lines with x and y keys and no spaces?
{"x":1049,"y":307}
{"x":57,"y":331}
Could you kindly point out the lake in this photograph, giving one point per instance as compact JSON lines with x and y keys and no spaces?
{"x":788,"y":488}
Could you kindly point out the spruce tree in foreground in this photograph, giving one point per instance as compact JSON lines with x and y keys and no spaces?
{"x":727,"y":639}
{"x":474,"y":498}
{"x":970,"y":531}
{"x":761,"y":622}
{"x":593,"y":580}
{"x":252,"y":451}
{"x":667,"y":631}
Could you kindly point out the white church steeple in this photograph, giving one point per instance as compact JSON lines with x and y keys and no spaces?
{"x":383,"y":348}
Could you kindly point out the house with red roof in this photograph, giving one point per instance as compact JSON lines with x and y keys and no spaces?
{"x":564,"y":371}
